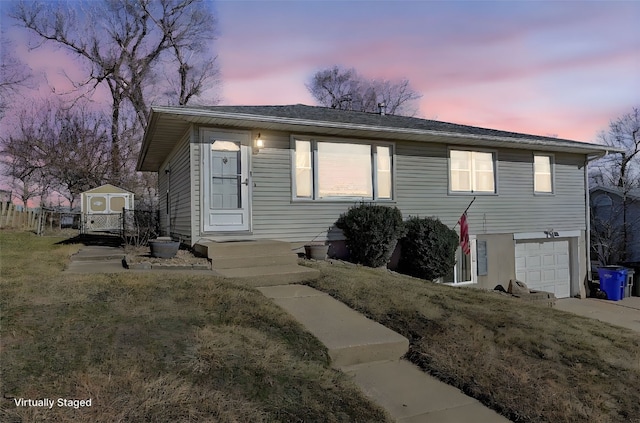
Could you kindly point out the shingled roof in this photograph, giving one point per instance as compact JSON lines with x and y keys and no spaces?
{"x":326,"y":114}
{"x":169,"y":122}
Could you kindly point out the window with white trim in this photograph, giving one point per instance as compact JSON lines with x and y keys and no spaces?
{"x":464,"y":271}
{"x":543,"y":173}
{"x":340,"y":170}
{"x":472,"y":171}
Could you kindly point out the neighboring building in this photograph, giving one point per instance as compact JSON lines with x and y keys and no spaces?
{"x":230,"y":173}
{"x":608,"y":217}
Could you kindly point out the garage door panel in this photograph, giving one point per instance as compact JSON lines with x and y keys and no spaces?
{"x":533,"y":261}
{"x":548,"y":260}
{"x":563,"y":259}
{"x":544,"y":266}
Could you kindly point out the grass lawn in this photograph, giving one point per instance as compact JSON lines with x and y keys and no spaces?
{"x":529,"y":363}
{"x":156,"y":348}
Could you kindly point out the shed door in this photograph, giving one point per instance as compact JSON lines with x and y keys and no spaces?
{"x":226,"y":182}
{"x":544,"y":266}
{"x":104,"y":211}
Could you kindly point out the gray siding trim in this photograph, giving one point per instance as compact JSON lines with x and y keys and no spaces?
{"x":194,"y":154}
{"x":178,"y":184}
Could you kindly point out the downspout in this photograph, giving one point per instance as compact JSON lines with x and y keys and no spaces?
{"x":587,"y":208}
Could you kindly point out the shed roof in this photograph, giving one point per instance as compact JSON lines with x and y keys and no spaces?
{"x":106,"y":189}
{"x":168,"y":124}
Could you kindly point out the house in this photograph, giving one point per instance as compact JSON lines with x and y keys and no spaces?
{"x":611,"y":210}
{"x":285,"y":173}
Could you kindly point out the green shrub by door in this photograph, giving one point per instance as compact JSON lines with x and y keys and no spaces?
{"x":371,"y":233}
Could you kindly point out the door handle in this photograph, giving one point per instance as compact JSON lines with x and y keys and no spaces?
{"x":246,"y":181}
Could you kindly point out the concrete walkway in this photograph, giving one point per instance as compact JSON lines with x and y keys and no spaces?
{"x":625,"y":313}
{"x":94,"y":259}
{"x":97,"y":259}
{"x":371,"y":354}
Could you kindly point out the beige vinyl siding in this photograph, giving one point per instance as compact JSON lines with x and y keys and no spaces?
{"x":179,"y":192}
{"x":421,"y":183}
{"x":195,"y":154}
{"x":420,"y":189}
{"x":274,"y":213}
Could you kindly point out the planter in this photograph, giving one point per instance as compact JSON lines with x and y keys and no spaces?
{"x":316,"y":252}
{"x":164,"y":248}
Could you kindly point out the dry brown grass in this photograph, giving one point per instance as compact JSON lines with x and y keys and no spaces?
{"x":530,"y":363}
{"x":150,"y":348}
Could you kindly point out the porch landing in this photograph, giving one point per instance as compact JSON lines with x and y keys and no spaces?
{"x":262,"y":262}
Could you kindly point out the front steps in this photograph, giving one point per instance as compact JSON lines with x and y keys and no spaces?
{"x":261,"y":263}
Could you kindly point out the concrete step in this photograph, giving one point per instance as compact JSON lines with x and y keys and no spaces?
{"x":100,"y":266}
{"x":412,"y":396}
{"x":350,"y":337}
{"x":270,"y":275}
{"x":288,"y":259}
{"x":238,"y":249}
{"x":97,"y":257}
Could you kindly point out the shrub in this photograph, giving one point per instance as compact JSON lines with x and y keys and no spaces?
{"x":371,"y":233}
{"x":428,"y":248}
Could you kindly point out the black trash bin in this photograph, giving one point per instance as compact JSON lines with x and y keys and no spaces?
{"x":635,"y":266}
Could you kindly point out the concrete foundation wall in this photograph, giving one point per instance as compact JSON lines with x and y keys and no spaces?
{"x":501,"y":261}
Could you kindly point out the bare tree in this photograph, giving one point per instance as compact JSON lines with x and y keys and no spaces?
{"x":24,"y":160}
{"x":57,"y":148}
{"x":14,"y":75}
{"x":345,"y":89}
{"x":621,"y":174}
{"x":620,"y":170}
{"x":79,"y":152}
{"x":121,"y":41}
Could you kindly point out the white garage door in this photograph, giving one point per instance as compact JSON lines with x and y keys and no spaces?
{"x":544,"y":266}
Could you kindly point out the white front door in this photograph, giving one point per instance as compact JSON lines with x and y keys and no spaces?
{"x":226,"y":181}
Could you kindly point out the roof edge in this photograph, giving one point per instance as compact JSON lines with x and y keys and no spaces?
{"x":533,"y":141}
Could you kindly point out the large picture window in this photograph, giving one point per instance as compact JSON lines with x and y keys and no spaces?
{"x":472,"y":171}
{"x":338,"y":170}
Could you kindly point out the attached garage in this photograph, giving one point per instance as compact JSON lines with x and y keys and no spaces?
{"x":544,"y":266}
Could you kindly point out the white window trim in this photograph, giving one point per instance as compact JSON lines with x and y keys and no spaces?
{"x":314,"y":160}
{"x":552,"y":163}
{"x":474,"y":266}
{"x":494,"y":154}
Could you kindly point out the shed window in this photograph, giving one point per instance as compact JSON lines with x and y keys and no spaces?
{"x":340,"y":170}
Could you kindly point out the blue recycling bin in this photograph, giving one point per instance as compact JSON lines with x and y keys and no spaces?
{"x":612,"y":281}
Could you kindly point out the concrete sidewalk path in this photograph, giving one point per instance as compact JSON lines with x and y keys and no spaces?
{"x":97,"y":259}
{"x":625,"y":313}
{"x":372,"y":355}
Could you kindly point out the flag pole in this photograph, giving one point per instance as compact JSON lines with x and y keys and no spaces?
{"x":465,"y":210}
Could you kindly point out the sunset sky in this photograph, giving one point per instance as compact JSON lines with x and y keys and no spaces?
{"x":561,"y":68}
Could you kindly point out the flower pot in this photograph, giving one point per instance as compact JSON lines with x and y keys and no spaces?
{"x":316,"y":252}
{"x":164,"y":248}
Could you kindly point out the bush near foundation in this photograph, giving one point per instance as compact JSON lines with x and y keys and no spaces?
{"x":428,"y":248}
{"x":371,"y":233}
